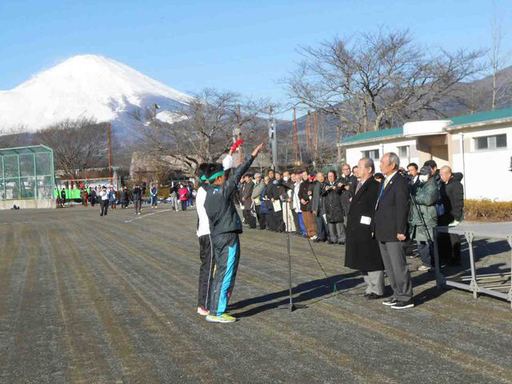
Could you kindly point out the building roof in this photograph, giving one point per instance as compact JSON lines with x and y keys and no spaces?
{"x":25,"y":150}
{"x":373,"y":135}
{"x":480,"y":117}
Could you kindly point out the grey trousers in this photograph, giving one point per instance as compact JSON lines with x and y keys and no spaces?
{"x":337,"y":232}
{"x":393,"y":257}
{"x":374,"y":282}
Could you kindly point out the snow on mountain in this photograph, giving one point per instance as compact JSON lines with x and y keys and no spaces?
{"x":86,"y":86}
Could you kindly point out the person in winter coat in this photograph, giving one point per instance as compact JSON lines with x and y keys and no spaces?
{"x":183,"y":196}
{"x":266,"y":208}
{"x":203,"y":234}
{"x":318,"y":207}
{"x":112,"y":198}
{"x":259,"y":185}
{"x":305,"y":196}
{"x":225,"y":227}
{"x":104,"y":201}
{"x":362,"y":250}
{"x":246,"y":200}
{"x":452,"y":197}
{"x":334,"y":209}
{"x":153,"y":193}
{"x":423,"y":216}
{"x":124,"y":198}
{"x":287,"y":186}
{"x":137,"y":198}
{"x":347,"y":182}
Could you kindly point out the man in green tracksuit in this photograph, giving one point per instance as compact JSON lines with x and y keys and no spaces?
{"x":225,"y":226}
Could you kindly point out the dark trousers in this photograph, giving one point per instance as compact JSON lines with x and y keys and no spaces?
{"x":278,"y":220}
{"x":321,"y":228}
{"x":397,"y":270}
{"x":260,"y":216}
{"x":104,"y":207}
{"x":296,"y":221}
{"x":448,"y":245}
{"x":205,"y":271}
{"x":137,"y":204}
{"x":250,"y":220}
{"x":270,"y":219}
{"x":226,"y":250}
{"x":184,"y":205}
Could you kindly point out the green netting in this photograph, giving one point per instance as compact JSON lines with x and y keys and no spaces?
{"x":26,"y":173}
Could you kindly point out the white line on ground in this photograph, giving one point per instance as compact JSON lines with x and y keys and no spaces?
{"x":146,"y":215}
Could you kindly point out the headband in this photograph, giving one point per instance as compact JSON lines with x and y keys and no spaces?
{"x":215,"y":175}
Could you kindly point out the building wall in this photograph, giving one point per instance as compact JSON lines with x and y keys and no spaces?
{"x":487,"y":173}
{"x":354,"y":154}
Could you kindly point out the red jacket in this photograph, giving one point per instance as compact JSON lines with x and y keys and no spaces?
{"x":183,"y":194}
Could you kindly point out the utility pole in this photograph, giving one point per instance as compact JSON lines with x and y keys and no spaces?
{"x":272,"y":138}
{"x":296,"y":148}
{"x":109,"y":145}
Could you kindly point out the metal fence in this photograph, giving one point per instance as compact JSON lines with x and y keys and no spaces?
{"x":26,"y":173}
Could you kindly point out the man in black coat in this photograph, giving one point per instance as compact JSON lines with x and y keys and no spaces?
{"x":362,"y":250}
{"x":452,"y":197}
{"x":334,"y":210}
{"x":347,"y":182}
{"x":391,"y":213}
{"x":318,"y":207}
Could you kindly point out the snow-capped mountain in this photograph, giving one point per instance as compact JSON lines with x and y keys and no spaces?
{"x":86,"y":86}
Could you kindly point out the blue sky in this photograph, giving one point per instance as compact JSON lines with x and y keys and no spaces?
{"x":244,"y":46}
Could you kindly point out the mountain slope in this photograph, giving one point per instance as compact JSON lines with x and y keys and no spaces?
{"x":85,"y":86}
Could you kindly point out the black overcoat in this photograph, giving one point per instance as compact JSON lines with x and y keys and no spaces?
{"x":332,"y":202}
{"x":361,"y":249}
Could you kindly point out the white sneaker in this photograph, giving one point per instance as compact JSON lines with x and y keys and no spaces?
{"x":313,"y":237}
{"x":423,"y":268}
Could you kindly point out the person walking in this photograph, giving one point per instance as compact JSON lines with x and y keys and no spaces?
{"x":137,"y":198}
{"x":246,"y":200}
{"x":104,"y":199}
{"x":183,"y":196}
{"x":362,"y":250}
{"x":391,"y":213}
{"x":334,"y":209}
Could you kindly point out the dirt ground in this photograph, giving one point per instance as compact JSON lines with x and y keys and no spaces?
{"x":90,"y":299}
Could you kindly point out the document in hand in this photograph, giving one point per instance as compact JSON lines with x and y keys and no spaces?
{"x":277,"y":206}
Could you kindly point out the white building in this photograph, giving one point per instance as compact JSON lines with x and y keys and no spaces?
{"x":478,"y":145}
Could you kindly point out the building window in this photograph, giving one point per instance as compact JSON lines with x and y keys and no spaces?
{"x":491,"y":142}
{"x":371,"y":154}
{"x":403,"y":152}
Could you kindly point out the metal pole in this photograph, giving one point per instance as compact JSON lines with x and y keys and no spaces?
{"x":109,"y":144}
{"x":272,"y":138}
{"x":35,"y":175}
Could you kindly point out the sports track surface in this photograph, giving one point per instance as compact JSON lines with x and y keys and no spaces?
{"x":85,"y":299}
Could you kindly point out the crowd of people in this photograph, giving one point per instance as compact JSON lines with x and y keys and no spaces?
{"x":380,"y":217}
{"x":181,"y":196}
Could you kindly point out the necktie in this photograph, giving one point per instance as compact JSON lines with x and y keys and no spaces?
{"x":359,"y":185}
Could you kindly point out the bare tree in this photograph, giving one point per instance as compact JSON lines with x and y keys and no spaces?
{"x":203,"y":129}
{"x":374,"y":81}
{"x":497,"y":62}
{"x":77,"y":144}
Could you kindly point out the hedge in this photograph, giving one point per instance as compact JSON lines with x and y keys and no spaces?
{"x":487,"y":210}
